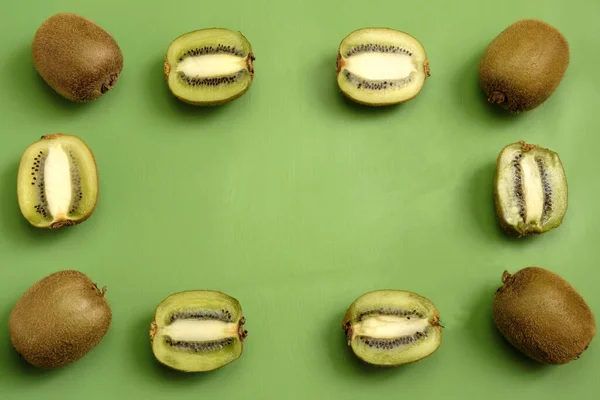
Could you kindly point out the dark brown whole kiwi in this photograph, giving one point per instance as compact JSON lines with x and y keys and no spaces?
{"x":76,"y":57}
{"x":522,"y":67}
{"x":59,"y":319}
{"x":543,"y":316}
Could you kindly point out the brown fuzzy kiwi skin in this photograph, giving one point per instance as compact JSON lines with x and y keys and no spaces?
{"x":339,"y":65}
{"x":543,"y":316}
{"x":65,"y":222}
{"x":523,"y":66}
{"x":347,"y":327}
{"x":509,"y":229}
{"x":250,"y":58}
{"x":76,"y":57}
{"x":59,"y":319}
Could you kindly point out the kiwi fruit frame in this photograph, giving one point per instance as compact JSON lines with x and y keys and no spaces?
{"x":381,"y":66}
{"x":76,"y":57}
{"x":59,"y":319}
{"x":198,"y":331}
{"x":389,"y":328}
{"x":209,"y":67}
{"x":57,"y":182}
{"x":543,"y":316}
{"x":524,"y":65}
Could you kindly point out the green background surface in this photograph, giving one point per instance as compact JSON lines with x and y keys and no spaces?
{"x":296,"y":201}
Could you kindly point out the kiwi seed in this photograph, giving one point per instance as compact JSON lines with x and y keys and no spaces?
{"x":381,"y":66}
{"x":198,"y":331}
{"x":530,"y":189}
{"x":543,"y":316}
{"x":57,"y":183}
{"x":522,"y":67}
{"x":76,"y":57}
{"x":59,"y":319}
{"x":209,"y":66}
{"x":392,"y":327}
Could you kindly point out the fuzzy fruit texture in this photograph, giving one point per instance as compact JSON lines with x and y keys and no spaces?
{"x":59,"y":319}
{"x":523,"y":65}
{"x":543,"y":316}
{"x":76,"y":57}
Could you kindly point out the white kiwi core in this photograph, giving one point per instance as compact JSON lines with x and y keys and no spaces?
{"x":381,"y":66}
{"x":57,"y":181}
{"x":210,"y":65}
{"x":389,"y":326}
{"x":190,"y":330}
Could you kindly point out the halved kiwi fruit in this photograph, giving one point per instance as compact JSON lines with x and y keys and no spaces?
{"x":392,"y":327}
{"x":209,"y":66}
{"x":57,"y":182}
{"x":381,"y":66}
{"x":197,"y":331}
{"x":530,"y":189}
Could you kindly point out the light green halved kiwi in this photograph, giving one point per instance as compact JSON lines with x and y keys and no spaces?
{"x":530,"y":189}
{"x":392,"y":327}
{"x":57,"y":182}
{"x":198,"y":331}
{"x":209,"y":66}
{"x":381,"y":66}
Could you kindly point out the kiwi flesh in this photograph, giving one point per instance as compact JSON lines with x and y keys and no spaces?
{"x":198,"y":331}
{"x":392,"y":327}
{"x":530,"y":189}
{"x":381,"y":66}
{"x":59,"y":319}
{"x":543,"y":316}
{"x":209,"y":66}
{"x":524,"y":65}
{"x":76,"y":57}
{"x":57,"y":182}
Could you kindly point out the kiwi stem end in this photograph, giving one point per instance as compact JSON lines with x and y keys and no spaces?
{"x":497,"y":97}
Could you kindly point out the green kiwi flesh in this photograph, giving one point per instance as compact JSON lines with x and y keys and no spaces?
{"x":381,"y":66}
{"x":209,"y":66}
{"x":59,"y":319}
{"x":57,"y":182}
{"x":76,"y":57}
{"x":523,"y":66}
{"x":530,"y":189}
{"x":543,"y":316}
{"x":392,"y":327}
{"x":198,"y":331}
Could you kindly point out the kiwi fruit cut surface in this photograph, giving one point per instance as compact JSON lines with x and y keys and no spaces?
{"x":76,"y":57}
{"x":530,"y":189}
{"x":523,"y":66}
{"x":392,"y":327}
{"x":198,"y":331}
{"x":59,"y":319}
{"x":57,"y":182}
{"x":381,"y":66}
{"x":543,"y":316}
{"x":209,"y":66}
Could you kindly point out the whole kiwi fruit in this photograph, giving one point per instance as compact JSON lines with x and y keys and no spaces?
{"x":543,"y":316}
{"x":59,"y":319}
{"x":522,"y":67}
{"x":76,"y":57}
